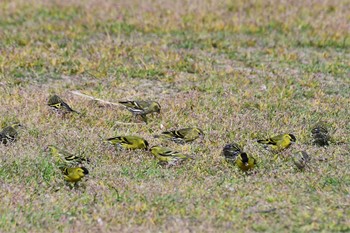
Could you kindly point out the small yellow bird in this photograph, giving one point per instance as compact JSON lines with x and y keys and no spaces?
{"x":65,"y":157}
{"x":245,"y":162}
{"x":320,"y":135}
{"x":279,"y":142}
{"x":128,"y":142}
{"x":166,"y":155}
{"x":231,"y":151}
{"x":9,"y":134}
{"x":301,"y":159}
{"x":182,"y":136}
{"x":74,"y":174}
{"x":59,"y":105}
{"x":141,"y":108}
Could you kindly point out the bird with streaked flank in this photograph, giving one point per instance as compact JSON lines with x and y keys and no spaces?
{"x":301,"y":159}
{"x":9,"y":134}
{"x":128,"y":142}
{"x":181,"y":136}
{"x":279,"y":142}
{"x":56,"y":103}
{"x":142,"y":108}
{"x":167,"y":155}
{"x":320,"y":135}
{"x":64,"y":157}
{"x":245,"y":162}
{"x":231,"y":151}
{"x":74,"y":174}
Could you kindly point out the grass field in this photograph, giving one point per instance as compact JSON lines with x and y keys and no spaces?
{"x":240,"y":70}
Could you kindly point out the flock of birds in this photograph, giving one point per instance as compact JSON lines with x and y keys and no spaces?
{"x":72,"y":165}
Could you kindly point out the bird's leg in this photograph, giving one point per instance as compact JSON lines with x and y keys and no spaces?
{"x":76,"y":185}
{"x":144,"y":118}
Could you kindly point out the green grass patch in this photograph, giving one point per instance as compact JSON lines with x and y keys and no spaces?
{"x":240,"y":71}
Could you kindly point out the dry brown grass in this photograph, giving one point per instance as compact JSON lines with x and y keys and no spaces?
{"x":239,"y":71}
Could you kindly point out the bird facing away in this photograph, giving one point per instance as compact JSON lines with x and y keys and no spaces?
{"x":167,"y":155}
{"x":128,"y":142}
{"x":141,"y":108}
{"x":320,"y":135}
{"x":59,"y":105}
{"x":245,"y":162}
{"x":231,"y":151}
{"x":9,"y":134}
{"x":74,"y":174}
{"x":301,"y":160}
{"x":65,"y":157}
{"x":182,"y":136}
{"x":279,"y":142}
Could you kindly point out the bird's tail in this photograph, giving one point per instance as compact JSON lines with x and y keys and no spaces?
{"x":190,"y":157}
{"x":162,"y":136}
{"x":107,"y":140}
{"x":63,"y":168}
{"x":264,"y":141}
{"x":112,"y":140}
{"x":125,"y":102}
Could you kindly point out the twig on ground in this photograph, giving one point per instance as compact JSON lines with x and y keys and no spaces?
{"x":126,"y":123}
{"x":93,"y":98}
{"x":105,"y":102}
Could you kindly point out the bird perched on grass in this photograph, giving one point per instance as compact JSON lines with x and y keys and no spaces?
{"x":231,"y":151}
{"x":245,"y":162}
{"x":279,"y":142}
{"x":166,"y":155}
{"x":64,"y":157}
{"x":128,"y":142}
{"x":9,"y":134}
{"x":74,"y":174}
{"x":320,"y":135}
{"x":59,"y":105}
{"x":301,"y":159}
{"x":141,"y":108}
{"x":182,"y":136}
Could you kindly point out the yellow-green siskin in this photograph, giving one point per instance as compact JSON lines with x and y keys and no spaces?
{"x":245,"y":162}
{"x":65,"y":157}
{"x":166,"y":155}
{"x":320,"y":135}
{"x":279,"y":142}
{"x":59,"y":105}
{"x":231,"y":151}
{"x":301,"y":159}
{"x":141,"y":108}
{"x":74,"y":174}
{"x":9,"y":134}
{"x":128,"y":142}
{"x":182,"y":135}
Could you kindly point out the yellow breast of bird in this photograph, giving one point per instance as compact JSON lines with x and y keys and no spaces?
{"x":73,"y":177}
{"x":284,"y":143}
